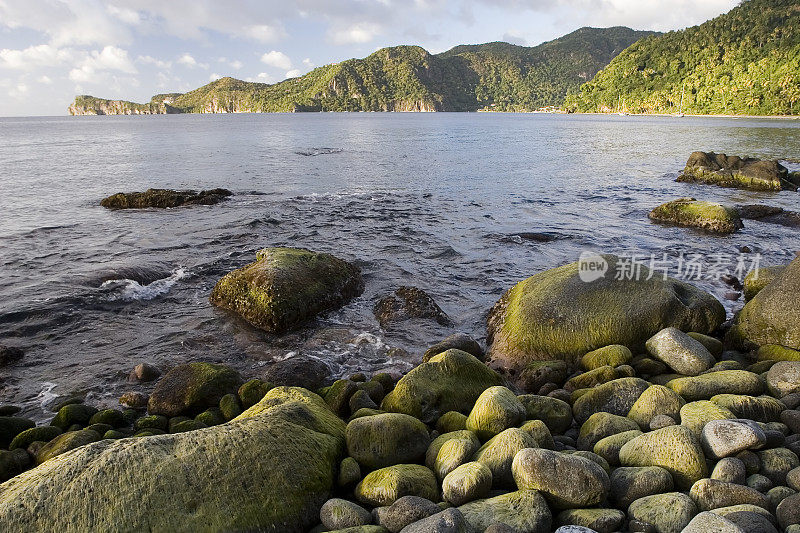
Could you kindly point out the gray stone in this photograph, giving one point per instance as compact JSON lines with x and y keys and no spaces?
{"x":724,"y":438}
{"x":706,"y":522}
{"x":730,"y":470}
{"x":340,"y":514}
{"x":405,"y":511}
{"x":680,"y":352}
{"x":523,"y":510}
{"x":631,"y":483}
{"x":447,"y":521}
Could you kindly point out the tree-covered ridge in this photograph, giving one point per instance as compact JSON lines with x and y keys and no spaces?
{"x":744,"y":62}
{"x":497,"y":76}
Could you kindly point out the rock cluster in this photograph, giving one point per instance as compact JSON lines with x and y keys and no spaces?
{"x":733,"y":171}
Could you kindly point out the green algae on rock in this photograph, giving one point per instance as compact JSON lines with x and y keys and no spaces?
{"x":557,"y":315}
{"x":667,"y":513}
{"x":733,"y":171}
{"x":674,"y":448}
{"x":705,"y":386}
{"x":616,"y":397}
{"x":709,"y":216}
{"x":386,"y":439}
{"x":191,"y":388}
{"x":656,"y":400}
{"x":383,"y":487}
{"x":613,"y":355}
{"x":499,"y":452}
{"x":555,"y":413}
{"x":773,"y":315}
{"x":468,"y":482}
{"x":270,"y":469}
{"x":757,"y":279}
{"x":286,"y":287}
{"x":450,"y":381}
{"x":164,"y":198}
{"x":496,"y":409}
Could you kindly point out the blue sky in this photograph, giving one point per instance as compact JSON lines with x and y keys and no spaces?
{"x":51,"y":50}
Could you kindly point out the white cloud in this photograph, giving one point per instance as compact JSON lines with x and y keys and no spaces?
{"x":109,"y":58}
{"x":128,"y":16}
{"x":45,"y":80}
{"x":308,"y":63}
{"x":189,"y":61}
{"x":293,"y":73}
{"x":359,"y":33}
{"x":262,"y":77}
{"x":235,"y":65}
{"x":150,"y":60}
{"x":264,"y":33}
{"x":277,"y":59}
{"x":43,"y":55}
{"x":214,"y":77}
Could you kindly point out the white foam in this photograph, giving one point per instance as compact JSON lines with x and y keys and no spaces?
{"x":46,"y":395}
{"x":130,"y":290}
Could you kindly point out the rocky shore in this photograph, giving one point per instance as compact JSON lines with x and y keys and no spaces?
{"x":606,"y":404}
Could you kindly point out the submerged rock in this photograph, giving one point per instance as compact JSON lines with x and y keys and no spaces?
{"x":733,"y":171}
{"x":557,"y":315}
{"x":164,"y":198}
{"x":408,"y":303}
{"x":705,"y":215}
{"x":771,"y":215}
{"x":9,"y":355}
{"x":299,"y":371}
{"x":285,"y":287}
{"x":191,"y":388}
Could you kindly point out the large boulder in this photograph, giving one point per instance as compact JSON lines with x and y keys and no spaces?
{"x":270,"y":469}
{"x":192,"y":388}
{"x":557,"y":315}
{"x":733,"y":171}
{"x":709,"y":216}
{"x":450,"y":381}
{"x":164,"y":198}
{"x":758,"y":278}
{"x":773,"y":315}
{"x":285,"y":287}
{"x":386,"y":439}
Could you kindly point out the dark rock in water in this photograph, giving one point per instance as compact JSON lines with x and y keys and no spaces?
{"x":9,"y":355}
{"x":9,"y":410}
{"x":534,"y":236}
{"x":407,"y":303}
{"x":286,"y":287}
{"x":134,"y":399}
{"x":74,"y":413}
{"x":164,"y":198}
{"x":732,"y":171}
{"x":144,"y":372}
{"x":299,"y":371}
{"x":771,"y":215}
{"x":705,"y":215}
{"x":192,"y":388}
{"x":459,"y":341}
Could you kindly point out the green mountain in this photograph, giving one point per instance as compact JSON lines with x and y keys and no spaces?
{"x":498,"y":76}
{"x":744,"y":62}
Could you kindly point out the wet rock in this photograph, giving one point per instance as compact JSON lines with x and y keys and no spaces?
{"x":725,"y":438}
{"x":113,"y":417}
{"x":340,"y":514}
{"x":709,"y":216}
{"x":230,"y":407}
{"x":733,"y":171}
{"x":9,"y":355}
{"x":408,"y":303}
{"x":164,"y":198}
{"x":566,"y":481}
{"x":458,"y":341}
{"x":770,"y":215}
{"x":555,"y":413}
{"x":521,"y":327}
{"x":134,"y":400}
{"x":680,"y":352}
{"x":386,"y":439}
{"x":496,"y":409}
{"x":385,"y":486}
{"x":338,"y":396}
{"x":711,"y":494}
{"x":450,"y":381}
{"x":468,"y":482}
{"x":613,"y":355}
{"x":674,"y":448}
{"x":631,"y":483}
{"x":41,"y":433}
{"x":299,"y":371}
{"x":76,"y":413}
{"x":668,"y":513}
{"x":523,"y":510}
{"x":253,"y":391}
{"x":771,"y":317}
{"x":144,"y":372}
{"x":706,"y":386}
{"x":406,"y":510}
{"x":11,"y":426}
{"x":191,"y":388}
{"x":286,"y":287}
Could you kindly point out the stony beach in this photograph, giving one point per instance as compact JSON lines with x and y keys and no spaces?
{"x":609,"y":404}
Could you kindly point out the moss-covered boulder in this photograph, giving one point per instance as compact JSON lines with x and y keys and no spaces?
{"x":602,"y":425}
{"x":773,"y":315}
{"x":468,"y":482}
{"x":13,"y":463}
{"x":459,"y":341}
{"x":667,"y":513}
{"x":758,"y":408}
{"x":536,"y":374}
{"x":631,"y":483}
{"x":656,"y":400}
{"x":408,"y":303}
{"x":523,"y":510}
{"x":74,"y":413}
{"x":711,"y":494}
{"x":192,"y":388}
{"x":250,"y":393}
{"x":436,"y":445}
{"x":674,"y":448}
{"x":613,"y":355}
{"x":499,"y":452}
{"x":776,"y":463}
{"x":270,"y":469}
{"x":608,"y":447}
{"x":66,"y":442}
{"x":11,"y":426}
{"x":555,"y":413}
{"x":758,"y":278}
{"x":557,"y":315}
{"x":286,"y":287}
{"x":591,"y":378}
{"x":705,"y":386}
{"x":599,"y":520}
{"x":773,"y":352}
{"x":41,"y":433}
{"x":385,"y":486}
{"x":496,"y":409}
{"x":163,"y":198}
{"x":566,"y":481}
{"x":616,"y":397}
{"x":734,"y":171}
{"x":452,"y":454}
{"x":451,"y":421}
{"x":337,"y":513}
{"x":450,"y":381}
{"x":690,"y":212}
{"x":695,"y":415}
{"x":386,"y":439}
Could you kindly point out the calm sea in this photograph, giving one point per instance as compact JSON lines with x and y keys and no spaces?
{"x":439,"y":201}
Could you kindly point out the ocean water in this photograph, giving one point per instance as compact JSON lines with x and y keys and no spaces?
{"x":438,"y":201}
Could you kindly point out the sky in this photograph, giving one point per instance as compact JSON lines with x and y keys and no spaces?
{"x":52,"y":50}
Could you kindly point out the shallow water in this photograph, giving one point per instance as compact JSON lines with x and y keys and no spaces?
{"x":433,"y":200}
